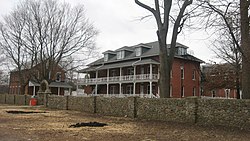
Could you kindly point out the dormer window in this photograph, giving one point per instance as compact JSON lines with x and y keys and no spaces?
{"x":182,"y":51}
{"x":120,"y":54}
{"x":138,"y":51}
{"x":106,"y":57}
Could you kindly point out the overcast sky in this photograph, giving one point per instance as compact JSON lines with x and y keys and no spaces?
{"x":118,"y":24}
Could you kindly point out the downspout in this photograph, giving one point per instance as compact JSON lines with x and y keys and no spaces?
{"x":136,"y":62}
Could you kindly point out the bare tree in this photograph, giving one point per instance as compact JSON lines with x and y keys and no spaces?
{"x":245,"y":46}
{"x":46,"y":32}
{"x":225,"y":49}
{"x":163,"y":21}
{"x":234,"y":13}
{"x":12,"y":32}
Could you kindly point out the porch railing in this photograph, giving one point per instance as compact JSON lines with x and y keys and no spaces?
{"x":118,"y":78}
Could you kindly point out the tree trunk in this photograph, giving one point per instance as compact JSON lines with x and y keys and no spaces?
{"x":237,"y":84}
{"x":245,"y":48}
{"x":164,"y":66}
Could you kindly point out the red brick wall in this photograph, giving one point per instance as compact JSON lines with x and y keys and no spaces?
{"x":187,"y":82}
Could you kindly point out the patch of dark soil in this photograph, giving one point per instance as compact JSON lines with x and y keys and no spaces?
{"x":89,"y":124}
{"x":24,"y":112}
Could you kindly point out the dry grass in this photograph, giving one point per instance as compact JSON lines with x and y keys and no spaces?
{"x":53,"y":125}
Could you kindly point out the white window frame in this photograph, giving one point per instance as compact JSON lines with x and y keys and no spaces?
{"x":227,"y":93}
{"x":142,"y":89}
{"x":106,"y":57}
{"x":182,"y":72}
{"x":182,"y":91}
{"x":194,"y":75}
{"x":129,"y":89}
{"x":194,"y":91}
{"x":171,"y":90}
{"x":112,"y":89}
{"x":120,"y":54}
{"x":138,"y":51}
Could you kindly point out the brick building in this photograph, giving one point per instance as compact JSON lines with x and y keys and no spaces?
{"x":219,"y":81}
{"x":31,"y":84}
{"x":134,"y":70}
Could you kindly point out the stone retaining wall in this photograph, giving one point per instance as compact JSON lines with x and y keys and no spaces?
{"x":115,"y":106}
{"x":225,"y":112}
{"x":10,"y":99}
{"x":181,"y":110}
{"x":85,"y":104}
{"x":2,"y":98}
{"x":20,"y":99}
{"x":57,"y":102}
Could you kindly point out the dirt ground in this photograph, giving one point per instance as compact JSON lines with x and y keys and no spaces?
{"x":53,"y":125}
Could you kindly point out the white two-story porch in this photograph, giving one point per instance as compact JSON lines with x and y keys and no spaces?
{"x":130,"y":78}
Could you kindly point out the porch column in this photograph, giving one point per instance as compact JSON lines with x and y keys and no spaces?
{"x":134,"y":79}
{"x":134,"y":88}
{"x":96,"y":76}
{"x":150,"y":89}
{"x":70,"y":91}
{"x":120,"y":88}
{"x":58,"y":91}
{"x":34,"y":90}
{"x":107,"y":89}
{"x":107,"y":75}
{"x":107,"y":81}
{"x":151,"y":72}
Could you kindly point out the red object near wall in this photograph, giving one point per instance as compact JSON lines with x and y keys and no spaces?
{"x":33,"y":102}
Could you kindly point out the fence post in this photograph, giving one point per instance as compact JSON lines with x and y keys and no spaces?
{"x":5,"y":98}
{"x":94,"y":104}
{"x":192,"y":106}
{"x":25,"y":101}
{"x":135,"y":107}
{"x":67,"y":102}
{"x":14,"y":99}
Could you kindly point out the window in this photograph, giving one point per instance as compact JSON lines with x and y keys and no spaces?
{"x":171,"y":91}
{"x":193,"y":75}
{"x":182,"y":51}
{"x":106,"y":57}
{"x":227,"y":93}
{"x":121,"y":54}
{"x":182,"y":72}
{"x":112,"y":73}
{"x":138,"y":51}
{"x":58,"y":76}
{"x":194,"y":91}
{"x":148,"y":89}
{"x":213,"y":93}
{"x":129,"y":89}
{"x":182,"y":91}
{"x":142,"y":70}
{"x":141,"y":89}
{"x":130,"y":71}
{"x":112,"y":89}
